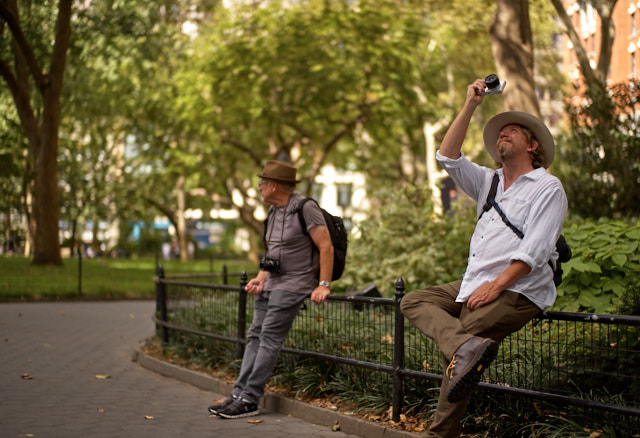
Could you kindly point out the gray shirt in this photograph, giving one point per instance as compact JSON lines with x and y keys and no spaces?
{"x":299,"y":258}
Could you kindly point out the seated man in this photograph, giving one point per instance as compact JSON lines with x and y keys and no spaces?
{"x":508,"y":279}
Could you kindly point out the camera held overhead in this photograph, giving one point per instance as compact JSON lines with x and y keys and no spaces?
{"x":494,"y":85}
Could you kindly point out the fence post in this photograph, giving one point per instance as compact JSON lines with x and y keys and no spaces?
{"x":225,"y":277}
{"x":79,"y":272}
{"x":242,"y":314}
{"x":161,"y":304}
{"x":398,"y":354}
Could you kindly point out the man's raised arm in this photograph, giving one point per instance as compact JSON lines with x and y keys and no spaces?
{"x":452,"y":142}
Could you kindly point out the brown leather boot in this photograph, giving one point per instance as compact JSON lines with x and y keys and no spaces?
{"x":467,"y":365}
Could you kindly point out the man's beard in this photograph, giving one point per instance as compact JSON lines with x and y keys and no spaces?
{"x":504,"y":153}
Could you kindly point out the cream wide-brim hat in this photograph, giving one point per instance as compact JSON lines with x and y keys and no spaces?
{"x":539,"y":129}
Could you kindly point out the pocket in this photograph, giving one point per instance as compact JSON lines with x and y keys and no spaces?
{"x":516,"y":210}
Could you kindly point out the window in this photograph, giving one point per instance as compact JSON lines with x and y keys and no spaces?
{"x":316,"y":192}
{"x":344,"y":194}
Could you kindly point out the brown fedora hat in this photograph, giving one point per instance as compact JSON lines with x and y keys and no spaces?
{"x":539,"y":129}
{"x":279,"y":171}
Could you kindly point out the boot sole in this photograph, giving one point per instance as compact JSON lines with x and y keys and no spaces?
{"x":246,"y":414}
{"x":465,"y":384}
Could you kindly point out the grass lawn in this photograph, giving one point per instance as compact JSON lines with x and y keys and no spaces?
{"x":101,"y":278}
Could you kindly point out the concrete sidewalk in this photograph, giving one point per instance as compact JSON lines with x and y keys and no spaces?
{"x":68,"y":370}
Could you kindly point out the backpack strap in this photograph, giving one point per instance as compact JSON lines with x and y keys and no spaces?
{"x":298,"y":210}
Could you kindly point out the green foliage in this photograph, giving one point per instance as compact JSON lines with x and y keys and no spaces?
{"x":604,"y":272}
{"x":406,"y":238}
{"x":598,"y":163}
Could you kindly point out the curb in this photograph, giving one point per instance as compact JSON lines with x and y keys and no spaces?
{"x":274,"y":402}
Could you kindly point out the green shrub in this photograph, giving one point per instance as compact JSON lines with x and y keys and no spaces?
{"x":406,"y":238}
{"x":603,"y":276}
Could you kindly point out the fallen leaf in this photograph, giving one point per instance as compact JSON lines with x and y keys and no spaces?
{"x":148,"y":417}
{"x":101,"y":411}
{"x":103,"y":376}
{"x":335,"y":427}
{"x":255,"y":421}
{"x":26,"y":376}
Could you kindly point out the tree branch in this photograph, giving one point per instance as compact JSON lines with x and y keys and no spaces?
{"x":21,"y":99}
{"x":61,"y":44}
{"x":607,"y":34}
{"x":583,"y":59}
{"x":9,"y":13}
{"x":164,"y":210}
{"x":243,"y":148}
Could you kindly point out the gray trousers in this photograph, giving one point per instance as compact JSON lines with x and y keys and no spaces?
{"x":273,"y":315}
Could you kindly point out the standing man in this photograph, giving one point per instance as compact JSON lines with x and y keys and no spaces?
{"x":508,"y":278}
{"x":289,"y":272}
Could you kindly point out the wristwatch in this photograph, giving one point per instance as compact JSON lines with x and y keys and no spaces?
{"x":325,"y":284}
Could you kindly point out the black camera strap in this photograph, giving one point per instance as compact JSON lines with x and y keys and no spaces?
{"x":491,"y":202}
{"x":266,"y":239}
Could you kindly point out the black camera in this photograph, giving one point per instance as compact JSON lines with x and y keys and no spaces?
{"x":270,"y":265}
{"x":494,"y":85}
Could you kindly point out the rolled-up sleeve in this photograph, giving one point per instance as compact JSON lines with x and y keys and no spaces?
{"x":468,"y":176}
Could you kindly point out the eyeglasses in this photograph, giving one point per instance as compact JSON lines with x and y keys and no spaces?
{"x":263,"y":182}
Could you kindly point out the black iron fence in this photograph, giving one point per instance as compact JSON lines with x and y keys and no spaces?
{"x":584,"y":360}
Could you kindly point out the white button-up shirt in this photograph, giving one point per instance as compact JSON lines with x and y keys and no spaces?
{"x":536,"y":204}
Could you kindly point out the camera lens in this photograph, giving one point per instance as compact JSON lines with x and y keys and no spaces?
{"x":492,"y":81}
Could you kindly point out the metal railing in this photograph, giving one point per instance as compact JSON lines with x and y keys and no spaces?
{"x":584,"y":360}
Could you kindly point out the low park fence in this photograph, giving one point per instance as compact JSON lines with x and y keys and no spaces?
{"x":582,"y":360}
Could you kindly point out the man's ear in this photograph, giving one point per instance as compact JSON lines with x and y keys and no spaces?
{"x":533,"y":145}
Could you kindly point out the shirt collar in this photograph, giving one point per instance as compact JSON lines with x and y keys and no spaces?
{"x":534,"y":175}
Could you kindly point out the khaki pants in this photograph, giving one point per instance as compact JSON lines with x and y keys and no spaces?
{"x":435,"y":313}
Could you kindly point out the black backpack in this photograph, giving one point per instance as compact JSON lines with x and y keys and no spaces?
{"x":564,"y":252}
{"x":338,"y":234}
{"x":337,"y":231}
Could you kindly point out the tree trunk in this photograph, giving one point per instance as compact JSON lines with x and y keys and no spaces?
{"x":181,"y":229}
{"x":72,"y":240}
{"x":46,"y":210}
{"x":29,"y":224}
{"x":512,"y":46}
{"x":435,"y":176}
{"x":40,"y":126}
{"x":7,"y":230}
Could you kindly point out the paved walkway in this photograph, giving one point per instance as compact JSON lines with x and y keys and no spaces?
{"x":66,"y":370}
